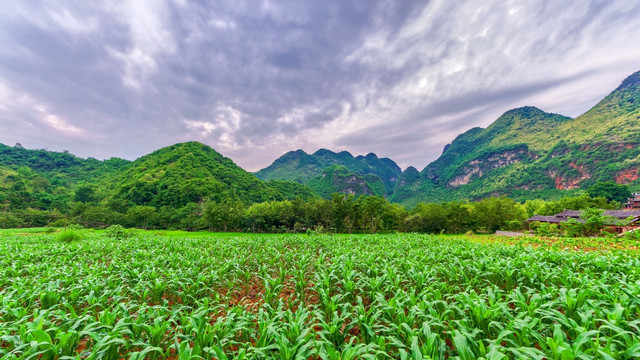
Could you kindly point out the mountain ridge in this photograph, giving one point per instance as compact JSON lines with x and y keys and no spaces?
{"x":299,"y":166}
{"x":525,"y":153}
{"x":529,"y":153}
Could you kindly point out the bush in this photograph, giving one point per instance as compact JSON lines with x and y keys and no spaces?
{"x":545,"y":229}
{"x":70,"y":236}
{"x":9,"y":221}
{"x":117,"y":232}
{"x":632,"y":235}
{"x":514,"y":225}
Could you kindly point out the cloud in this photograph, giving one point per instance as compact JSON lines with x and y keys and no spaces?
{"x":149,"y":37}
{"x":220,"y":129}
{"x":256,"y":79}
{"x":72,"y":24}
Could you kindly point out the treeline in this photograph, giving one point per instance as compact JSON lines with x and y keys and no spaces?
{"x":341,"y":214}
{"x":190,"y":186}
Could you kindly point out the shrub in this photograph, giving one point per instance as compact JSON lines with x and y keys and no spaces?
{"x":69,"y":236}
{"x":546,"y":229}
{"x":633,"y":234}
{"x":117,"y":232}
{"x":514,"y":225}
{"x":9,"y":221}
{"x":573,"y":228}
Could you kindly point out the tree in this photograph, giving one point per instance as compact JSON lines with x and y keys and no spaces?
{"x":583,"y":201}
{"x":610,"y":190}
{"x":372,"y":212}
{"x":84,"y":194}
{"x":224,"y":215}
{"x":429,"y":218}
{"x":141,"y":215}
{"x":458,"y":217}
{"x":591,"y":223}
{"x":97,"y":216}
{"x":8,"y":220}
{"x":594,"y":221}
{"x":495,"y":213}
{"x":190,"y":216}
{"x":533,"y":207}
{"x":392,"y":216}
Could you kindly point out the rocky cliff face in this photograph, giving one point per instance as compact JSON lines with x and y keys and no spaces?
{"x":339,"y":179}
{"x":477,"y":167}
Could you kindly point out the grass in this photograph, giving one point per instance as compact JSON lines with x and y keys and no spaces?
{"x":68,"y":236}
{"x":36,"y":230}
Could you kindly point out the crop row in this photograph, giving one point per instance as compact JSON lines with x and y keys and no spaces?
{"x":300,"y":297}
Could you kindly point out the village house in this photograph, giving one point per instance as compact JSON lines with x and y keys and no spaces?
{"x":633,"y":203}
{"x":622,"y":220}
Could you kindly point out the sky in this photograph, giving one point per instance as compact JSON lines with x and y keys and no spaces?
{"x":255,"y":79}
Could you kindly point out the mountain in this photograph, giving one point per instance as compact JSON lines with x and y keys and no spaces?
{"x":61,"y":164}
{"x":528,"y":153}
{"x":337,"y":178}
{"x":172,"y":176}
{"x":190,"y":173}
{"x":41,"y":179}
{"x":301,"y":167}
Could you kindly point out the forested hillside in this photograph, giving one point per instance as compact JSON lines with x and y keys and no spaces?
{"x":176,"y":181}
{"x":40,"y":179}
{"x":187,"y":173}
{"x":338,"y":179}
{"x":528,"y":153}
{"x":303,"y":168}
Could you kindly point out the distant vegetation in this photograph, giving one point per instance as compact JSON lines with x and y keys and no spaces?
{"x":374,"y":175}
{"x":138,"y":197}
{"x":190,"y":186}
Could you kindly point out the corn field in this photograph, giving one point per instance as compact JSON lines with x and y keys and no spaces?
{"x":313,"y":297}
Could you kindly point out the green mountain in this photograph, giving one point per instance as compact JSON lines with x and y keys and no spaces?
{"x":190,"y":173}
{"x":42,"y":179}
{"x":301,"y":167}
{"x":337,"y":178}
{"x":57,"y":164}
{"x":528,"y":153}
{"x":173,"y":176}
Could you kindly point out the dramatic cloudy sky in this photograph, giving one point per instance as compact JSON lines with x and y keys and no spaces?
{"x":255,"y":79}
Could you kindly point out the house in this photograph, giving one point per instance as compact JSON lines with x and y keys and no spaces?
{"x":622,"y":220}
{"x":633,"y":203}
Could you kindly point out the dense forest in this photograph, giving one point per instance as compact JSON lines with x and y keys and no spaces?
{"x":190,"y":186}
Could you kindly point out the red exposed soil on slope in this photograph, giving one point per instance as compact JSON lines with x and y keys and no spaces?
{"x":627,"y":176}
{"x":567,"y":184}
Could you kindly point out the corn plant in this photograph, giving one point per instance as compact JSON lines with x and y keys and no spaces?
{"x":322,"y":297}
